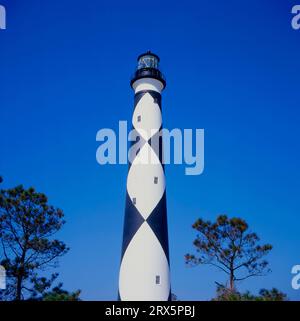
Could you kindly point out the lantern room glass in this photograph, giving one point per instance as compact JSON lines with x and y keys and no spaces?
{"x":148,"y":61}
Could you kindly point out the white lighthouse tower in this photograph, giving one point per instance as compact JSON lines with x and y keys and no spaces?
{"x":145,"y":269}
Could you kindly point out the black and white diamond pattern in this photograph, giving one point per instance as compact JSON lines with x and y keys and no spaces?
{"x":144,"y":271}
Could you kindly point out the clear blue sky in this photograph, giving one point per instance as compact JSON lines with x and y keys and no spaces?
{"x":232,"y":68}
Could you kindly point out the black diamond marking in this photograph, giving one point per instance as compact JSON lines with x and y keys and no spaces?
{"x":158,"y":218}
{"x":157,"y":148}
{"x":158,"y":223}
{"x":138,"y":96}
{"x":132,"y":222}
{"x":141,"y":141}
{"x":155,"y":95}
{"x":156,"y":98}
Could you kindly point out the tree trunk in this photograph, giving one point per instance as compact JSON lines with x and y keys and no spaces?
{"x":19,"y":288}
{"x":20,"y":276}
{"x":231,"y":281}
{"x":232,"y":275}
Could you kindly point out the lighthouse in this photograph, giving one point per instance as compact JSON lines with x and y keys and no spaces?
{"x":145,"y":267}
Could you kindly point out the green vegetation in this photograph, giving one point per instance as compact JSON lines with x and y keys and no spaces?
{"x":28,"y":224}
{"x":228,"y":246}
{"x":224,"y":294}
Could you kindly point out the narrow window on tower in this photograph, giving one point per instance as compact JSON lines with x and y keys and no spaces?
{"x":157,"y":279}
{"x":155,"y":180}
{"x":134,"y":201}
{"x":139,"y":119}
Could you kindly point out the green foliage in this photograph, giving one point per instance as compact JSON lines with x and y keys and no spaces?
{"x":40,"y":285}
{"x":228,"y":245}
{"x":225,"y":294}
{"x":27,"y":226}
{"x":272,"y":295}
{"x":58,"y":294}
{"x":41,"y":290}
